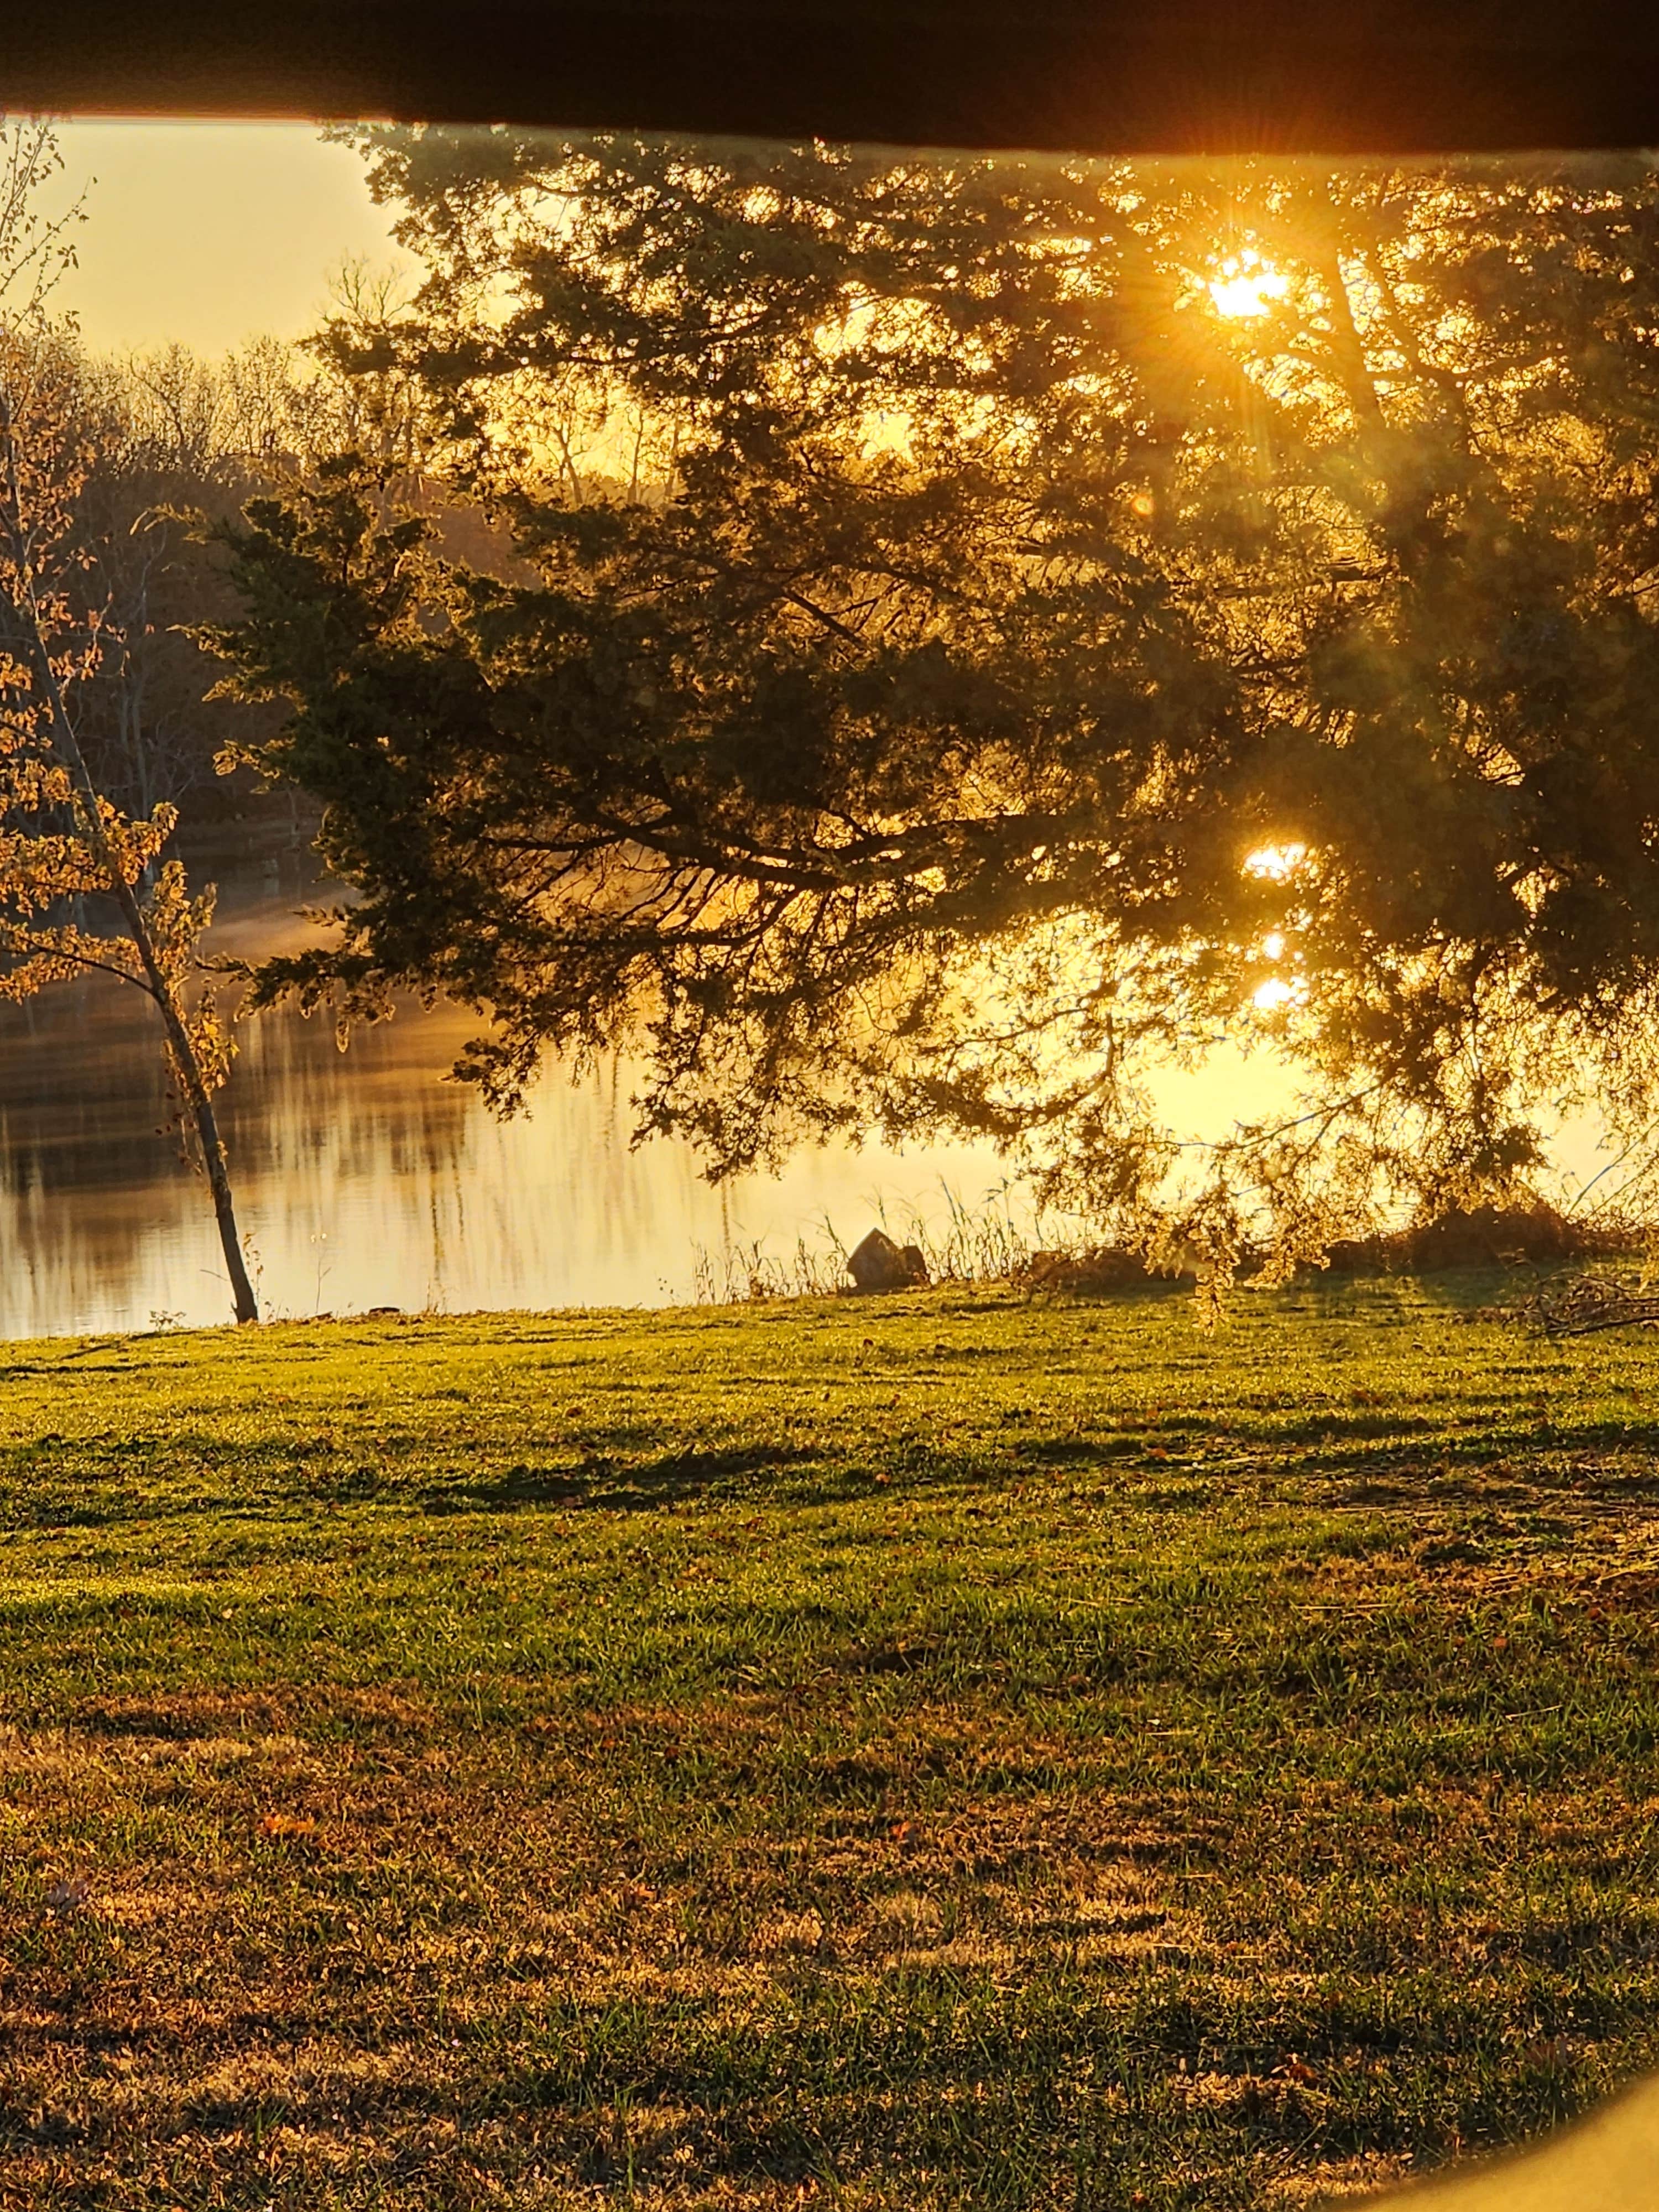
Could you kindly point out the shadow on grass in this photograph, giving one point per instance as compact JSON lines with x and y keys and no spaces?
{"x":1345,"y":1450}
{"x":622,"y":1486}
{"x":1458,"y":1290}
{"x":516,"y":1487}
{"x":1347,"y":1453}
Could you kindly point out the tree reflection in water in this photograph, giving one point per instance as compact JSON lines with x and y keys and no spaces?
{"x":364,"y":1179}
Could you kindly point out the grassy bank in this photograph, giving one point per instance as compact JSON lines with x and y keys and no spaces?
{"x":935,"y":1751}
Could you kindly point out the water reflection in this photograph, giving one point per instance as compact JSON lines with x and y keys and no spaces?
{"x":368,"y":1179}
{"x":365,"y":1179}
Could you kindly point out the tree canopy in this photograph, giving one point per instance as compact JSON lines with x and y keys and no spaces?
{"x":969,"y":631}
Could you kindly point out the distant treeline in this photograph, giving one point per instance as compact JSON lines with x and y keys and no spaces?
{"x":175,"y":445}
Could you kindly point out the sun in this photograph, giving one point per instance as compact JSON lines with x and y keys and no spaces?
{"x":1275,"y":863}
{"x":1247,"y":286}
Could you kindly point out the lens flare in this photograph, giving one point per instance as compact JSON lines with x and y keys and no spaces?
{"x":1246,"y":287}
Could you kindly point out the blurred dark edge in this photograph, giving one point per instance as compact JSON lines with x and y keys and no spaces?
{"x":1174,"y":77}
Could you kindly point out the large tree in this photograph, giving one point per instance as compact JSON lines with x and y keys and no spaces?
{"x":977,"y":628}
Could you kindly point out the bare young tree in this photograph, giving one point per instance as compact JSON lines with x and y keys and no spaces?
{"x":36,"y":247}
{"x":62,"y":840}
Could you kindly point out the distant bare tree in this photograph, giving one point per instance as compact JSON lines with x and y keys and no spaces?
{"x":178,"y":440}
{"x":162,"y":433}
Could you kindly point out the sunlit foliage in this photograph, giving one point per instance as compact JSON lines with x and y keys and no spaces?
{"x":928,"y":606}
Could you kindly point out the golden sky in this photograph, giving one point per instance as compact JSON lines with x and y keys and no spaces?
{"x":210,"y":232}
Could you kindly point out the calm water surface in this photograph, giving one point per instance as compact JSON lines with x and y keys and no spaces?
{"x":367,"y":1179}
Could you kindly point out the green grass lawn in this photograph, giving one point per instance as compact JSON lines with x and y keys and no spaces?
{"x":896,"y":1753}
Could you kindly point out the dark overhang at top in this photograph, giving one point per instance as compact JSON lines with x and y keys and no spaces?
{"x":1339,"y":76}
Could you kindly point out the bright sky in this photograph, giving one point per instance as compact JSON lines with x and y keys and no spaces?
{"x":211,"y":233}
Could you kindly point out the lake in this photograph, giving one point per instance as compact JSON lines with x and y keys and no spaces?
{"x":368,"y":1179}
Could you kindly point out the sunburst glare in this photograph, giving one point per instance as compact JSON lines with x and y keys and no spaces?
{"x":1276,"y":863}
{"x":1280,"y":991}
{"x":1247,"y":286}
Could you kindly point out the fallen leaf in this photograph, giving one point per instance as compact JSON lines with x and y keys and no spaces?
{"x":286,"y":1824}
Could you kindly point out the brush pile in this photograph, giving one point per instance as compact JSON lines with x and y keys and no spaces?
{"x":1584,"y":1303}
